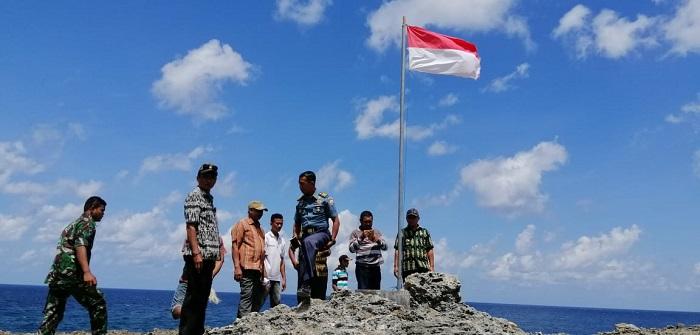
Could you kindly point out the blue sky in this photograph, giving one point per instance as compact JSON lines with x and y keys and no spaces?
{"x":568,"y":174}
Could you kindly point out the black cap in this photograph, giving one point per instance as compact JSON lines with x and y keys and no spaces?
{"x":412,"y":212}
{"x":208,"y":169}
{"x":344,"y":257}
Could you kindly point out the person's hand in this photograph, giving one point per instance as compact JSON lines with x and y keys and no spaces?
{"x":198,"y":260}
{"x":329,"y":244}
{"x":396,"y":272}
{"x":295,"y":265}
{"x":284,"y":284}
{"x":89,"y":279}
{"x":237,"y":274}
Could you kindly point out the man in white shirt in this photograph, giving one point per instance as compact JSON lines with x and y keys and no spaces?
{"x":275,"y":280}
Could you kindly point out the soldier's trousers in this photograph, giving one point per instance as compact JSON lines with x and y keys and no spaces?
{"x":309,"y":245}
{"x":88,"y":296}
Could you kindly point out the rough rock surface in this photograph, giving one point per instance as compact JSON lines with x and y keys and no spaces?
{"x":436,"y":309}
{"x":629,"y":329}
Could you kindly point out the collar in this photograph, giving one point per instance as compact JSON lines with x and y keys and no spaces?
{"x":302,"y":196}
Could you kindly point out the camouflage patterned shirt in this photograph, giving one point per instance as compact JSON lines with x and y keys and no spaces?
{"x":65,"y":269}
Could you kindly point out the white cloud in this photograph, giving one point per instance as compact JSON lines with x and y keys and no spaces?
{"x":683,"y":30}
{"x":589,"y":250}
{"x":329,"y":175}
{"x":305,"y":13}
{"x":575,"y":19}
{"x":226,"y":186}
{"x":173,"y":162}
{"x":14,"y":159}
{"x":503,"y":84}
{"x":52,"y":219}
{"x":449,"y":260}
{"x":441,"y":148}
{"x":511,"y":185}
{"x":461,"y":16}
{"x":43,"y":134}
{"x":28,"y":256}
{"x":450,"y":99}
{"x":36,"y":191}
{"x":524,"y":241}
{"x":690,"y":112}
{"x":697,"y":268}
{"x":190,"y":85}
{"x":607,"y":34}
{"x":12,"y":227}
{"x":369,"y":123}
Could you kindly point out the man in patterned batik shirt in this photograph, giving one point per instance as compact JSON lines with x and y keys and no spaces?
{"x":70,"y":273}
{"x":201,"y":250}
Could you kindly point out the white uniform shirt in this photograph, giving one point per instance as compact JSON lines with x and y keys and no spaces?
{"x":275,"y":251}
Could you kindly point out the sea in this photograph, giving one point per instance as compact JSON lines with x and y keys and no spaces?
{"x":143,"y":310}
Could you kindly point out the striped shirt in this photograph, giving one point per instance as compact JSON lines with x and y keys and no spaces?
{"x":201,"y":213}
{"x":249,"y":237}
{"x":368,"y":252}
{"x":416,"y":245}
{"x":340,"y":278}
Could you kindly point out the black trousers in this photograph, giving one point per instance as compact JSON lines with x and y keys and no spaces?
{"x":194,"y":307}
{"x":369,"y":277}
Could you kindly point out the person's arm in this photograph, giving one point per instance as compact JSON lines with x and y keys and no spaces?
{"x":335,"y":281}
{"x":379,"y":238}
{"x":354,"y":241}
{"x":194,"y":245}
{"x":431,"y":260}
{"x":236,"y":239}
{"x":396,"y":263}
{"x":217,"y":266}
{"x":336,"y":227}
{"x":81,"y":254}
{"x":293,"y":259}
{"x":284,"y":274}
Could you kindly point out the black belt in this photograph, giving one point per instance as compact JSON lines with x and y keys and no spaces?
{"x":310,"y":230}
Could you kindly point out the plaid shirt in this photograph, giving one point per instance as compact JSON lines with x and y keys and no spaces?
{"x":416,"y":245}
{"x":250,"y":238}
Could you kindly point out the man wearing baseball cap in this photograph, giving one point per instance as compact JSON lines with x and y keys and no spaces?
{"x":200,"y":251}
{"x":248,"y":252}
{"x":417,"y":248}
{"x":340,"y":274}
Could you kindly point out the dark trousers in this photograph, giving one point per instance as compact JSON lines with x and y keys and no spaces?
{"x":274,"y":291}
{"x":319,"y":287}
{"x":369,"y":277}
{"x":194,"y":308}
{"x":88,"y":296}
{"x":309,"y":245}
{"x":407,"y":273}
{"x":251,"y":293}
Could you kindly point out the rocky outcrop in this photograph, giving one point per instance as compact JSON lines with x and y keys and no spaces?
{"x":435,"y":308}
{"x":629,"y":329}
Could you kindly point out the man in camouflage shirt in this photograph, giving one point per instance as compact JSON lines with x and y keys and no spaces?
{"x":70,"y":273}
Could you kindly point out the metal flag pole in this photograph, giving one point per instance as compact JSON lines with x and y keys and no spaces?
{"x":402,"y":152}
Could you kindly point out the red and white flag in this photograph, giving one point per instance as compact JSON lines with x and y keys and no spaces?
{"x":441,"y":54}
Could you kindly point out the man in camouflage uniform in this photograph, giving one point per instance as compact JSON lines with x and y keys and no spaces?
{"x":313,"y":211}
{"x":70,"y":273}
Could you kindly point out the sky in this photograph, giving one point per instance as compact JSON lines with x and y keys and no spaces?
{"x":568,"y":174}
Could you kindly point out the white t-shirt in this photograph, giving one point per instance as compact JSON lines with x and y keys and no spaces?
{"x":275,"y":251}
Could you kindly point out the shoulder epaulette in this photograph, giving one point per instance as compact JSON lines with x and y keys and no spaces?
{"x":323,"y":194}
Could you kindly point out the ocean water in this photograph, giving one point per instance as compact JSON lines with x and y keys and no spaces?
{"x":143,"y":310}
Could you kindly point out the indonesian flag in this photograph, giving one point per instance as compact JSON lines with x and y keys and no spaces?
{"x":441,"y":54}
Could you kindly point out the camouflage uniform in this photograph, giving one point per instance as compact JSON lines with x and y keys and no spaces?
{"x":66,"y":279}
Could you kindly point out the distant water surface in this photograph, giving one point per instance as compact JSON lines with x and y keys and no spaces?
{"x":142,"y":310}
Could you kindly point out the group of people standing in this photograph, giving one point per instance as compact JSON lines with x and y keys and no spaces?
{"x":258,"y":257}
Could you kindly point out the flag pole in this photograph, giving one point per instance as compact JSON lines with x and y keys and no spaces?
{"x":402,"y":152}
